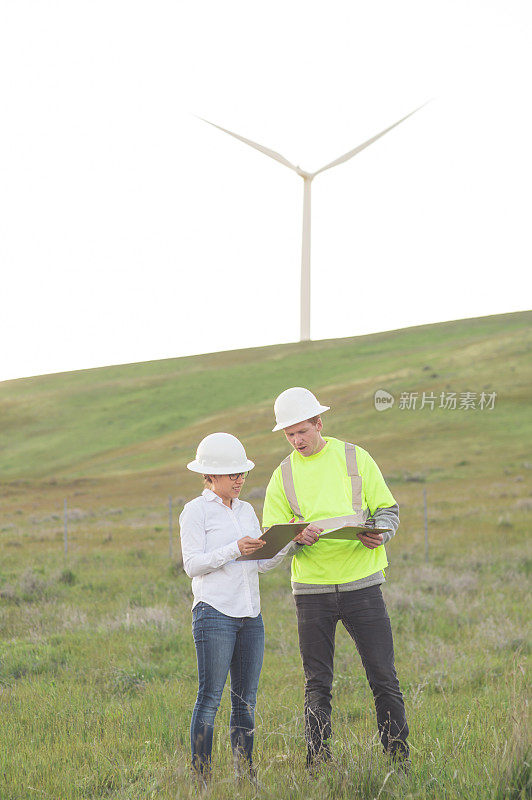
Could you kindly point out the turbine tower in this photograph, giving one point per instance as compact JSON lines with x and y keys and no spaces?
{"x":308,"y":177}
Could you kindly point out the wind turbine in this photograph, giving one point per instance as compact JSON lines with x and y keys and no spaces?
{"x":308,"y":177}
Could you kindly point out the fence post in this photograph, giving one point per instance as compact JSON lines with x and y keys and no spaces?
{"x":426,"y":525}
{"x":170,"y":534}
{"x":66,"y":527}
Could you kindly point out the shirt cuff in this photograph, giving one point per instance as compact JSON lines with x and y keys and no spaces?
{"x":235,"y":550}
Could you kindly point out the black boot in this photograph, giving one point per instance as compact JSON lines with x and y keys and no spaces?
{"x":316,"y":756}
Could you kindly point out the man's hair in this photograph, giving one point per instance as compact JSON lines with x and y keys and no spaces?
{"x":314,"y":420}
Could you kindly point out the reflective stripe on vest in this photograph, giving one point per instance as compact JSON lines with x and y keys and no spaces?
{"x":357,"y":518}
{"x":289,"y":488}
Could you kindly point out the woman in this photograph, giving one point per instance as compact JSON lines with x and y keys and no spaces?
{"x":216,"y":528}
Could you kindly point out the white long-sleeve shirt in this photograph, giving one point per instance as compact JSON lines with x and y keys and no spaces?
{"x":209,"y":534}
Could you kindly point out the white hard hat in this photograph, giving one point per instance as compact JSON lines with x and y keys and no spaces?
{"x":296,"y":405}
{"x":220,"y":454}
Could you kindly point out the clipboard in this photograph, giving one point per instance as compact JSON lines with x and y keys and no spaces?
{"x":276,"y":537}
{"x":351,"y":532}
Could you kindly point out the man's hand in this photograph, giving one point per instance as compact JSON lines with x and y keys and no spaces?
{"x":370,"y":539}
{"x":308,"y":535}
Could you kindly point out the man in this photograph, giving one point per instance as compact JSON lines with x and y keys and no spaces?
{"x":324,"y":478}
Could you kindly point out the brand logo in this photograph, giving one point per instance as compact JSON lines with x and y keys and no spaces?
{"x":383,"y":400}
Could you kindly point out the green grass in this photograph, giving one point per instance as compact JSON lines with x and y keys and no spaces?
{"x":97,"y":663}
{"x":98,"y":679}
{"x":142,"y":412}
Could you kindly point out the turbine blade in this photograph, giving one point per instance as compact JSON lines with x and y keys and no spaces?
{"x":265,"y":150}
{"x":360,"y":147}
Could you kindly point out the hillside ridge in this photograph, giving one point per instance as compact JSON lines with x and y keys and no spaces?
{"x":146,"y":415}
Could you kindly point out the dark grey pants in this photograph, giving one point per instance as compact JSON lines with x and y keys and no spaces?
{"x":364,"y":616}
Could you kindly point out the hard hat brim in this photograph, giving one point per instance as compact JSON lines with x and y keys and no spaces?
{"x":281,"y":426}
{"x":204,"y":469}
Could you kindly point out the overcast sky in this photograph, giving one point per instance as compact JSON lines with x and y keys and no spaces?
{"x":130,"y":230}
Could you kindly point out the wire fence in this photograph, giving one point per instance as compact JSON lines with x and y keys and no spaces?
{"x":78,"y":529}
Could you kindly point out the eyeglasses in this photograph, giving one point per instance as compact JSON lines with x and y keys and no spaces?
{"x":237,"y":475}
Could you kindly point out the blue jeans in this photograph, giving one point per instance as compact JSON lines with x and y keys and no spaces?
{"x":224,"y":644}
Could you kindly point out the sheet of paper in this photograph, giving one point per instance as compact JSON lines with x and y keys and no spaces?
{"x":350,"y":532}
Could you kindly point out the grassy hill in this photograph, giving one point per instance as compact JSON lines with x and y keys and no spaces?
{"x":142,"y":417}
{"x":97,"y":666}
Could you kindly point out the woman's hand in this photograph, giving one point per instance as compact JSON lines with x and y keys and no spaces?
{"x":249,"y":545}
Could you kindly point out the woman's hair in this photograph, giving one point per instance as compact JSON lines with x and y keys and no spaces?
{"x":207,"y":480}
